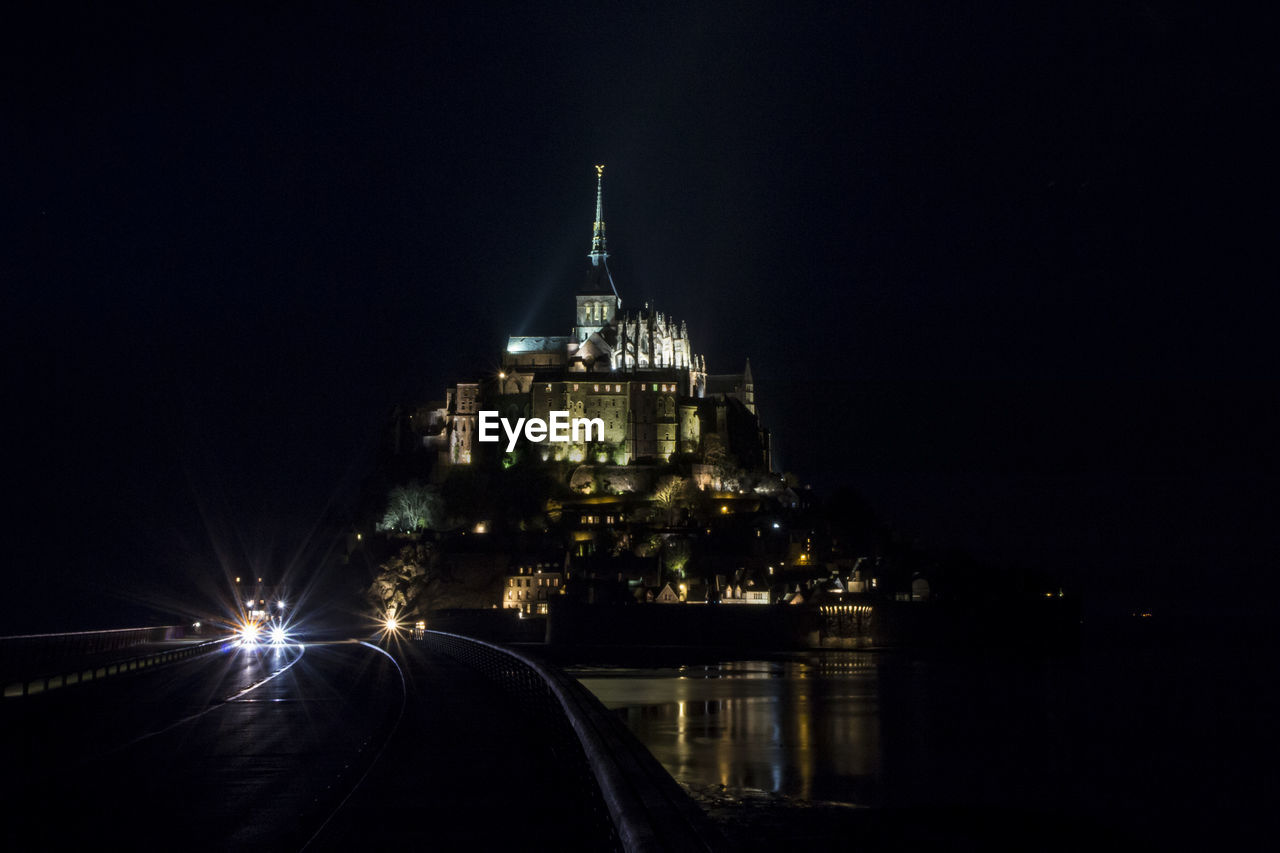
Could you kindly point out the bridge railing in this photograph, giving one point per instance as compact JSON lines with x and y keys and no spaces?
{"x":627,"y":793}
{"x":29,"y":647}
{"x":33,"y":663}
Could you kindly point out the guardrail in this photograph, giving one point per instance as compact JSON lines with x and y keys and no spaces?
{"x":636,"y":804}
{"x":24,"y":653}
{"x":31,"y":664}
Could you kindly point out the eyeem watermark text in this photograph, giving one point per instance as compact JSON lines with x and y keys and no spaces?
{"x":559,"y":428}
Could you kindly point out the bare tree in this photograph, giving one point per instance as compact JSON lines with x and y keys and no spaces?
{"x":411,"y":508}
{"x":670,"y":495}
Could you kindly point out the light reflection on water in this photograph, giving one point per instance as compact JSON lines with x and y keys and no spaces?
{"x":806,"y":729}
{"x":1114,"y":739}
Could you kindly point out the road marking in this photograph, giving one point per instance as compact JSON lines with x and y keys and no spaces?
{"x":215,"y":706}
{"x":404,"y":699}
{"x":301,"y":651}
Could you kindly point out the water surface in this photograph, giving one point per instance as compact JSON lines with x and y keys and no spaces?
{"x":1121,"y":743}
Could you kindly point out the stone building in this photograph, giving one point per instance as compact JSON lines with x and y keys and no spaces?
{"x":635,"y":370}
{"x":534,"y":582}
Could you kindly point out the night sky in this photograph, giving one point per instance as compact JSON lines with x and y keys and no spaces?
{"x":1004,"y":270}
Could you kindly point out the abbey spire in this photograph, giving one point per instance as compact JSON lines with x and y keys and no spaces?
{"x":593,"y":310}
{"x":636,"y":371}
{"x":599,"y":249}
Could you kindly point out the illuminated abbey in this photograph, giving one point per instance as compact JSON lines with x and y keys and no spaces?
{"x":635,"y":370}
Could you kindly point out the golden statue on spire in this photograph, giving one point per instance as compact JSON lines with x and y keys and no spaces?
{"x":598,"y":249}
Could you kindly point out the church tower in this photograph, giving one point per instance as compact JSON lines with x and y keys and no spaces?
{"x":597,"y":299}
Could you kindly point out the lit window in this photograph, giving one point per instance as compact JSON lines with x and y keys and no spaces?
{"x":596,"y":387}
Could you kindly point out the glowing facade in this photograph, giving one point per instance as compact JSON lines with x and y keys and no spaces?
{"x":635,"y":370}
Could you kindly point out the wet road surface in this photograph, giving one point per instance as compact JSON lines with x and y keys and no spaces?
{"x":323,"y":747}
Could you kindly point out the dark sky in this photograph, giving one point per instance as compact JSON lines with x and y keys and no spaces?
{"x":1000,"y":268}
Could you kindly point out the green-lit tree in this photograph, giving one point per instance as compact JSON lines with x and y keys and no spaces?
{"x":411,"y":508}
{"x":676,"y":552}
